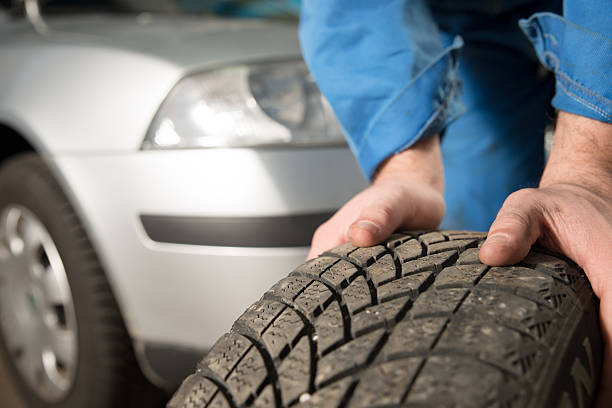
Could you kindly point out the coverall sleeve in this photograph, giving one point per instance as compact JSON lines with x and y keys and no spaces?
{"x":578,"y":49}
{"x":383,"y":68}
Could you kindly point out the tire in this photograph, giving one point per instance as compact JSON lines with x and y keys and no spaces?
{"x":416,"y":321}
{"x":97,"y":361}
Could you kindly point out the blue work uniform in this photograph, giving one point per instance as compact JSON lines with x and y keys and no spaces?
{"x":396,"y":71}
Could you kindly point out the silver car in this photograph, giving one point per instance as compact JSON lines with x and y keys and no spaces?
{"x":158,"y":172}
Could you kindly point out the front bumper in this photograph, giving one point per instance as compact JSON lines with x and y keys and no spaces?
{"x":186,"y":290}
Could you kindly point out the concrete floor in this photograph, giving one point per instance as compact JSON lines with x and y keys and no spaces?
{"x":8,"y":394}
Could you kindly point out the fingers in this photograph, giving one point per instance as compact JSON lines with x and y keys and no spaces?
{"x":366,"y":220}
{"x":515,"y":229}
{"x":377,"y":221}
{"x":325,"y":237}
{"x":374,"y":214}
{"x":395,"y":206}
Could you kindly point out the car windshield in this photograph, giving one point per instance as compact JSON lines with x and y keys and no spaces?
{"x":238,"y":8}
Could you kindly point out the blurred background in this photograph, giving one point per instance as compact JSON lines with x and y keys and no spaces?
{"x":163,"y":163}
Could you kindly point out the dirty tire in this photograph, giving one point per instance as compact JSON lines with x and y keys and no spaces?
{"x":416,"y":321}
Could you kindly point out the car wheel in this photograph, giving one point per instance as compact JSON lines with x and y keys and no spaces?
{"x":416,"y":321}
{"x":61,"y":330}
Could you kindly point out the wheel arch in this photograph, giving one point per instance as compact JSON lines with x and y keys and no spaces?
{"x":14,"y":141}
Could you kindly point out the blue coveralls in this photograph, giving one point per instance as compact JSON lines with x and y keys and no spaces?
{"x":396,"y":71}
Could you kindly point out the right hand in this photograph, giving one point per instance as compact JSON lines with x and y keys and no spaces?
{"x":407,"y":192}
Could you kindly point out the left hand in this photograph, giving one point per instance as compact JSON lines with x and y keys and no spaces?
{"x":571,"y":213}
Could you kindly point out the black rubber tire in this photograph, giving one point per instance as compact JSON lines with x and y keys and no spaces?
{"x":107,"y":375}
{"x":417,"y":321}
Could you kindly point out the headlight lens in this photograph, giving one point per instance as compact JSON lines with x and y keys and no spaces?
{"x":254,"y":105}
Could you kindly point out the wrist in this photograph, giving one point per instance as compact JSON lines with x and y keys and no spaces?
{"x":421,"y":163}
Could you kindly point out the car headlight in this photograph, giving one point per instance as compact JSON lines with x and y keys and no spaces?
{"x":249,"y":105}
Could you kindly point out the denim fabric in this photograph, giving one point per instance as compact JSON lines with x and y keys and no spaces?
{"x":578,"y":48}
{"x":392,"y":71}
{"x":384,"y":69}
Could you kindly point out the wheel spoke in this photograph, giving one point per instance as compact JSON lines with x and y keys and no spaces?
{"x":55,"y":289}
{"x":9,"y":231}
{"x":63,"y":345}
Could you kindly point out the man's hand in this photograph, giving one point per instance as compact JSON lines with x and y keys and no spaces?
{"x":407,"y":192}
{"x":571,"y":213}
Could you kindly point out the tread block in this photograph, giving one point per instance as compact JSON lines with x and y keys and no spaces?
{"x":340,"y":274}
{"x":314,"y":267}
{"x":410,"y":285}
{"x":432,"y":237}
{"x":329,"y":327}
{"x":357,"y":295}
{"x":413,"y":335}
{"x":366,"y":321}
{"x":283,"y":331}
{"x":313,"y":298}
{"x":328,"y":397}
{"x":247,"y":377}
{"x":469,"y":257}
{"x":219,"y":401}
{"x":459,"y":276}
{"x":289,"y":287}
{"x":556,"y":267}
{"x":374,"y":317}
{"x":437,"y":301}
{"x":260,"y":314}
{"x":366,"y":256}
{"x":225,"y":353}
{"x":294,"y":372}
{"x":347,"y":357}
{"x":485,"y":340}
{"x":195,"y":392}
{"x":408,"y":250}
{"x":382,"y":270}
{"x":343,"y":250}
{"x":456,"y":234}
{"x":502,"y":306}
{"x":266,"y":398}
{"x":396,"y":240}
{"x":433,"y":263}
{"x":390,"y":310}
{"x":458,"y":245}
{"x":445,"y":380}
{"x":531,"y":284}
{"x":384,"y":384}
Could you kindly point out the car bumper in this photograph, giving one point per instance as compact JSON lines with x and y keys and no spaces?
{"x":178,"y":231}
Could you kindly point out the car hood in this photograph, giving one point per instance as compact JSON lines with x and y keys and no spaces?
{"x":188,"y":41}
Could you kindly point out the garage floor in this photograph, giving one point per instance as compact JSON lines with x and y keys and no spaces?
{"x":8,"y":395}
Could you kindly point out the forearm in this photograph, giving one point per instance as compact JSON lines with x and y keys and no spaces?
{"x":581,"y":154}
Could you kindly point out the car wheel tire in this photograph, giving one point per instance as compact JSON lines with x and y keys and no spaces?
{"x":415,"y":321}
{"x":53,"y":289}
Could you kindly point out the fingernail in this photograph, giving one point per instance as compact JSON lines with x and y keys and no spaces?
{"x":497,"y":239}
{"x":368,"y":226}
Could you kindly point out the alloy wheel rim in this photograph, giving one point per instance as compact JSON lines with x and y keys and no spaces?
{"x":37,"y":317}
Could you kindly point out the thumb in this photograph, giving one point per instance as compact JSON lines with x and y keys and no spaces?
{"x":515,"y":229}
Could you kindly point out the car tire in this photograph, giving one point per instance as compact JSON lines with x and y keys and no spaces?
{"x":53,"y":289}
{"x":416,"y":321}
